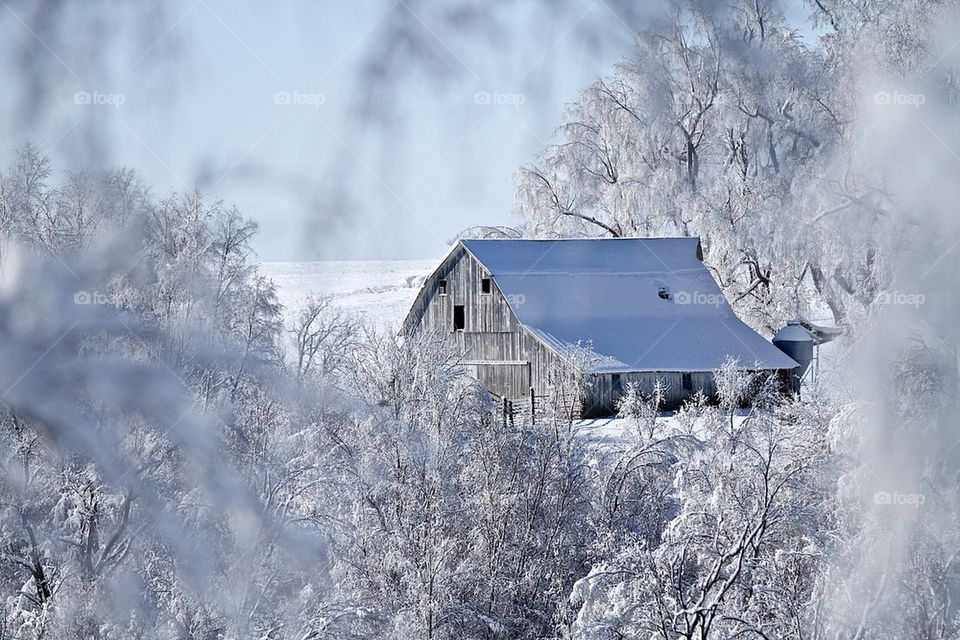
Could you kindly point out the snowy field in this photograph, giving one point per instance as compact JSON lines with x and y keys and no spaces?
{"x":379,"y":291}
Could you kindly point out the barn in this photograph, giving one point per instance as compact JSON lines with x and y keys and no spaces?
{"x":648,"y":308}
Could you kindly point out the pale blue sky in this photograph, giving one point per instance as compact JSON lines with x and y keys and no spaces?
{"x":209,"y":117}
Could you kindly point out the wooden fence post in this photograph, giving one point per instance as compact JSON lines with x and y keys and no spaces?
{"x":533,"y":407}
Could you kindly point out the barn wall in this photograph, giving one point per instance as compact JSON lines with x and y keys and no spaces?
{"x":488,"y":313}
{"x":505,"y":357}
{"x":605,"y":391}
{"x":506,"y":380}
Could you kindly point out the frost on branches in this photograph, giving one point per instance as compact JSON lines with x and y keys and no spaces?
{"x":740,"y":513}
{"x":728,"y":123}
{"x":178,"y":462}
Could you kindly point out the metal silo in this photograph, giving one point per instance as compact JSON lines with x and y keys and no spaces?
{"x":795,"y":341}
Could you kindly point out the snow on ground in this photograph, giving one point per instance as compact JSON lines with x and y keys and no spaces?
{"x":379,"y":291}
{"x":613,"y":433}
{"x":605,"y":432}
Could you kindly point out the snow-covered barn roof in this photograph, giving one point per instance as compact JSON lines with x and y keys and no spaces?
{"x":643,"y":304}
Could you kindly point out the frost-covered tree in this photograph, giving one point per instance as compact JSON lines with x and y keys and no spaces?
{"x":160,"y":477}
{"x":465,"y":523}
{"x":725,"y":123}
{"x":739,"y":551}
{"x":324,"y":337}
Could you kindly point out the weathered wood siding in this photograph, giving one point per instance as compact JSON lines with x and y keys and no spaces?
{"x":605,"y":389}
{"x":506,"y":380}
{"x":506,"y":358}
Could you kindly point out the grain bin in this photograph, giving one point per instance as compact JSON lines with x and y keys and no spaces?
{"x":795,"y":341}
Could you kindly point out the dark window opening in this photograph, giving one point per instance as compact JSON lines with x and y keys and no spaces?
{"x":459,"y":318}
{"x":617,"y":385}
{"x":485,"y":285}
{"x":442,"y":287}
{"x":686,"y":382}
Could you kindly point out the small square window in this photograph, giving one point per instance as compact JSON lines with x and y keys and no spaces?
{"x":485,"y":286}
{"x":459,"y":318}
{"x":442,"y":287}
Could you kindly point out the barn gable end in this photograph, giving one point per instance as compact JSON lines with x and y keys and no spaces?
{"x":502,"y":354}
